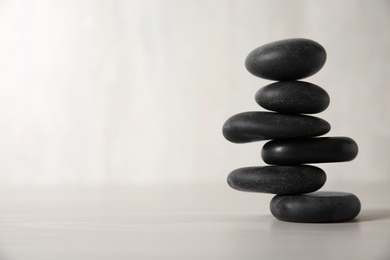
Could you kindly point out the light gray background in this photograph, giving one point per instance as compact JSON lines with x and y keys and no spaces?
{"x":136,"y":92}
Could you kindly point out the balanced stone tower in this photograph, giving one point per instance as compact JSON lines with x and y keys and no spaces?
{"x":295,"y":143}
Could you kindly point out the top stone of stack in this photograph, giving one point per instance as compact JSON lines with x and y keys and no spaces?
{"x":289,"y":59}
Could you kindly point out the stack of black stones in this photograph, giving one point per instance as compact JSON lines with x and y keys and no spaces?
{"x":295,"y":141}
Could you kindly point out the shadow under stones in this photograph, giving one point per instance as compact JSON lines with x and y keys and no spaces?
{"x":373,"y":215}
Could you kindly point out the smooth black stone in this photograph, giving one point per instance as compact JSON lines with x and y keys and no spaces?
{"x":256,"y":126}
{"x":278,"y":179}
{"x":309,"y":150}
{"x":317,"y":207}
{"x":293,"y":97}
{"x":286,"y":59}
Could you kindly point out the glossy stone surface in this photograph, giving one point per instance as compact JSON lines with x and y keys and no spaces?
{"x":293,"y":97}
{"x":309,"y":150}
{"x":256,"y":126}
{"x":277,"y":179}
{"x":317,"y":207}
{"x":286,"y":59}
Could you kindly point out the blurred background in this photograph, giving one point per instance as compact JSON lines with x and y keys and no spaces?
{"x":136,"y":92}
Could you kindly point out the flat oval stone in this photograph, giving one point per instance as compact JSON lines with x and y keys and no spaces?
{"x":309,"y":150}
{"x":317,"y":207}
{"x":256,"y":126}
{"x":286,"y":59}
{"x":293,"y":97}
{"x":278,"y":179}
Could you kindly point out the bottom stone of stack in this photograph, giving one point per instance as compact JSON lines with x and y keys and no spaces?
{"x":316,"y":207}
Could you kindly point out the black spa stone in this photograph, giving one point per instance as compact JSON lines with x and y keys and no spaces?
{"x":309,"y":150}
{"x":293,"y":97}
{"x":317,"y":207}
{"x":286,"y":59}
{"x":277,"y":179}
{"x":256,"y":126}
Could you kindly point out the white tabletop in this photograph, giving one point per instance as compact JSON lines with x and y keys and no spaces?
{"x":181,"y":222}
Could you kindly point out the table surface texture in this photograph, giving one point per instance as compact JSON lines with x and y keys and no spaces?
{"x":209,"y":221}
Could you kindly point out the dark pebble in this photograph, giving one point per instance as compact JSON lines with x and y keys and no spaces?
{"x":309,"y":150}
{"x":256,"y":126}
{"x":286,"y":59}
{"x":278,"y":179}
{"x":293,"y":97}
{"x":317,"y":207}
